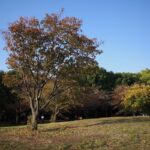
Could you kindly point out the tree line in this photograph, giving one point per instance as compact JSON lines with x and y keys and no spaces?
{"x":99,"y":93}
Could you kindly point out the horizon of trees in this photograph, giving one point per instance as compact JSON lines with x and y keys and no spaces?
{"x":100,"y":93}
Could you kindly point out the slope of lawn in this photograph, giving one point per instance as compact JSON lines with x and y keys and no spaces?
{"x":120,"y":133}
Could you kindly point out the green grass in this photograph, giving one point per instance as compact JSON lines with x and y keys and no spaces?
{"x":120,"y":133}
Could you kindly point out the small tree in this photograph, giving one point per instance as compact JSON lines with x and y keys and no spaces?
{"x":137,"y":99}
{"x":53,"y":49}
{"x":61,"y":102}
{"x":57,"y":106}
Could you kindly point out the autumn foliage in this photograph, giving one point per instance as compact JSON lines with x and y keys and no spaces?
{"x":53,"y":49}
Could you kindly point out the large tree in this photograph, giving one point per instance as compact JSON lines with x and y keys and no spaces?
{"x":53,"y":49}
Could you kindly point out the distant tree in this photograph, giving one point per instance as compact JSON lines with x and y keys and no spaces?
{"x":98,"y":77}
{"x":105,"y":80}
{"x":12,"y":81}
{"x":117,"y":97}
{"x":94,"y":102}
{"x":61,"y":102}
{"x":61,"y":105}
{"x":126,"y":78}
{"x":7,"y":102}
{"x":145,"y":76}
{"x":137,"y":99}
{"x":89,"y":95}
{"x":53,"y":49}
{"x":88,"y":76}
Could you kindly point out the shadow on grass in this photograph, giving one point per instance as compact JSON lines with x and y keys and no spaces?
{"x":60,"y":128}
{"x":121,"y":120}
{"x":50,"y":129}
{"x":104,"y":122}
{"x":12,"y":125}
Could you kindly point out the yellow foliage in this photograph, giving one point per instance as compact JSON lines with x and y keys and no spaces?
{"x":137,"y":98}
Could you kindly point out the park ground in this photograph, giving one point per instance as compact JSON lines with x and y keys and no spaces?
{"x":117,"y":133}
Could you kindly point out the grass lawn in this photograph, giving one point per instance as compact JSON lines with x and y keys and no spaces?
{"x":119,"y":133}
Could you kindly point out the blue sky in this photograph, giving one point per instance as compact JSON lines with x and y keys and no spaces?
{"x":123,"y":25}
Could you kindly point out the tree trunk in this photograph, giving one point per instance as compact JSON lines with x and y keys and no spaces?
{"x":34,"y":121}
{"x":34,"y":105}
{"x":17,"y":116}
{"x":55,"y":112}
{"x":53,"y":117}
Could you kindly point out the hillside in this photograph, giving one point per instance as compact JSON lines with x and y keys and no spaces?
{"x":120,"y":133}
